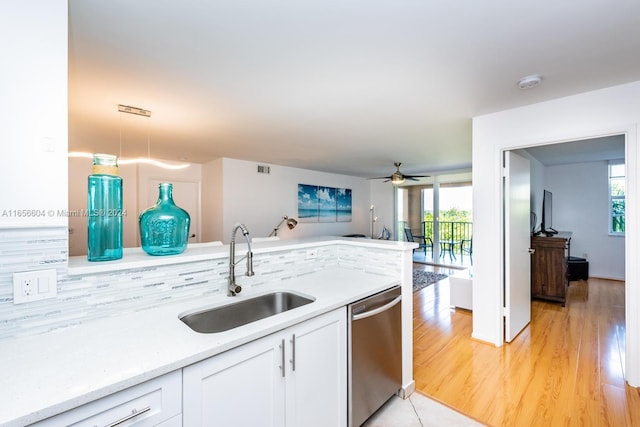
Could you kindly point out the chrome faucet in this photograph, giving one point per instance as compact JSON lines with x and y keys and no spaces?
{"x":233,"y":289}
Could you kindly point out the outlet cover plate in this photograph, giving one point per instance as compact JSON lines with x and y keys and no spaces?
{"x":34,"y":285}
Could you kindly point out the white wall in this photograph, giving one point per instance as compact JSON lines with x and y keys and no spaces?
{"x":212,"y":202}
{"x":33,"y":112}
{"x":260,"y":201}
{"x":581,"y":205}
{"x":608,"y":111}
{"x":383,"y":200}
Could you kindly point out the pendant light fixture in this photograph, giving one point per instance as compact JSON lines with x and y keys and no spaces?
{"x":147,"y":160}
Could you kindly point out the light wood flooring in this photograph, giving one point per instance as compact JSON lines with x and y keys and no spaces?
{"x":565,"y":369}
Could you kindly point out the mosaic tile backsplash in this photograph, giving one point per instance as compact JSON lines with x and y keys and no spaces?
{"x":84,"y":298}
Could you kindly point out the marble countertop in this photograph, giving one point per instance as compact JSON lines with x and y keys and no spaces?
{"x":47,"y":374}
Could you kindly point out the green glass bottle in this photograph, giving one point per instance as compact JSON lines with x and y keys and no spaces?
{"x":164,"y":228}
{"x":104,"y":210}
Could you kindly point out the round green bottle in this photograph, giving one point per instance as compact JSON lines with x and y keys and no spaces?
{"x":164,"y":227}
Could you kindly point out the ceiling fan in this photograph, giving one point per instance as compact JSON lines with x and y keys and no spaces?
{"x":398,"y":177}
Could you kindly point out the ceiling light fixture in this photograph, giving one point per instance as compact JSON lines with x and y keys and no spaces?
{"x":397,"y":179}
{"x":148,"y":160}
{"x":153,"y":162}
{"x":530,"y":82}
{"x":133,"y":110}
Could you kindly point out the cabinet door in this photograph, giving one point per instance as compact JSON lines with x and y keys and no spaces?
{"x":317,"y":375}
{"x":241,"y":387}
{"x":548,"y":268}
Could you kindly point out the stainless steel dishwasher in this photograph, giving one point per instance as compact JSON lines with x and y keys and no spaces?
{"x":375,"y":353}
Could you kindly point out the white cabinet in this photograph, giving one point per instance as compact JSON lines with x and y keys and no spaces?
{"x":157,"y":402}
{"x":240,"y":387}
{"x":316,"y":386}
{"x":296,"y":377}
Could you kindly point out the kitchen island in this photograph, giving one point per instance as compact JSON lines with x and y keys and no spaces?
{"x":45,"y":374}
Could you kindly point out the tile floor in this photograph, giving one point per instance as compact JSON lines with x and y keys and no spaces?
{"x":417,"y":411}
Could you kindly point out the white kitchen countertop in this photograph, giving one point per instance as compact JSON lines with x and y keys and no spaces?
{"x":47,"y":374}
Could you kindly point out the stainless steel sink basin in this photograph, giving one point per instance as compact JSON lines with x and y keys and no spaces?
{"x":225,"y":317}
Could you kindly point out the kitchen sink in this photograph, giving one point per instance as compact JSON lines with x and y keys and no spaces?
{"x":225,"y":317}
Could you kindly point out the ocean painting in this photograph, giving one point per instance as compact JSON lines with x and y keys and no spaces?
{"x":323,"y":204}
{"x":307,"y":203}
{"x":343,"y":199}
{"x":327,"y":204}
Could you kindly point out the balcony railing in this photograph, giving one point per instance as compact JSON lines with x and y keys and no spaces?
{"x":449,"y":231}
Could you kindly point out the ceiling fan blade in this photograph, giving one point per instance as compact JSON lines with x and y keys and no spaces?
{"x":399,"y":176}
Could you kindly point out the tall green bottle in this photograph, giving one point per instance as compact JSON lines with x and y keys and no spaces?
{"x":104,"y":205}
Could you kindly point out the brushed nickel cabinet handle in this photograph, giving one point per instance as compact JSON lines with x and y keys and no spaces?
{"x":282,"y":365}
{"x":134,"y":413}
{"x":293,"y":352}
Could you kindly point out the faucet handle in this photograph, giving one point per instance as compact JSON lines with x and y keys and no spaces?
{"x":250,"y":264}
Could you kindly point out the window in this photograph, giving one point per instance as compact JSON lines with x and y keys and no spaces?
{"x":616,"y":197}
{"x":454,"y":216}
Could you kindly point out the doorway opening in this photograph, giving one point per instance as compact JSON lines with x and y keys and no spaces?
{"x":577,"y":173}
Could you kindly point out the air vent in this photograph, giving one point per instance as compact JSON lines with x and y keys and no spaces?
{"x":264,"y":169}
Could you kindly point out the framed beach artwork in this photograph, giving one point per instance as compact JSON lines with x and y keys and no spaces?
{"x":327,"y":206}
{"x":343,"y":199}
{"x":307,"y":203}
{"x":323,"y":204}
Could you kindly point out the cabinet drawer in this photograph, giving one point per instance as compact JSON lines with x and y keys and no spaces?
{"x":147,"y":404}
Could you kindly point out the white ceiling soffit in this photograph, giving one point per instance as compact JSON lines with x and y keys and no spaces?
{"x":582,"y":151}
{"x":339,"y":86}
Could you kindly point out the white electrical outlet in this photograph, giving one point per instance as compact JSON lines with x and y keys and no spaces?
{"x":34,"y":286}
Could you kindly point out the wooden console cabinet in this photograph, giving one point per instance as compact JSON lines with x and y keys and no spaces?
{"x":549,"y":267}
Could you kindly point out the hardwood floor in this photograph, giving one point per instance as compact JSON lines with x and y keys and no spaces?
{"x":565,"y":368}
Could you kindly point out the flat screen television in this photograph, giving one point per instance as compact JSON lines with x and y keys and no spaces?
{"x":547,"y":214}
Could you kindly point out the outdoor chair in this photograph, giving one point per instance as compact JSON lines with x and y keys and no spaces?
{"x":466,"y":247}
{"x":423,"y":242}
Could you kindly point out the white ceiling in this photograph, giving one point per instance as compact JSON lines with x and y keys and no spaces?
{"x":342,"y":86}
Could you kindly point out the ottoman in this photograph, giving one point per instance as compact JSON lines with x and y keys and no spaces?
{"x":577,"y":268}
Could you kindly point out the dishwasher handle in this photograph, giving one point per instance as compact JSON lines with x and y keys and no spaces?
{"x":385,"y":307}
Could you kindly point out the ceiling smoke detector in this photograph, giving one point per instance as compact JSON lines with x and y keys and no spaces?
{"x":529,"y":82}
